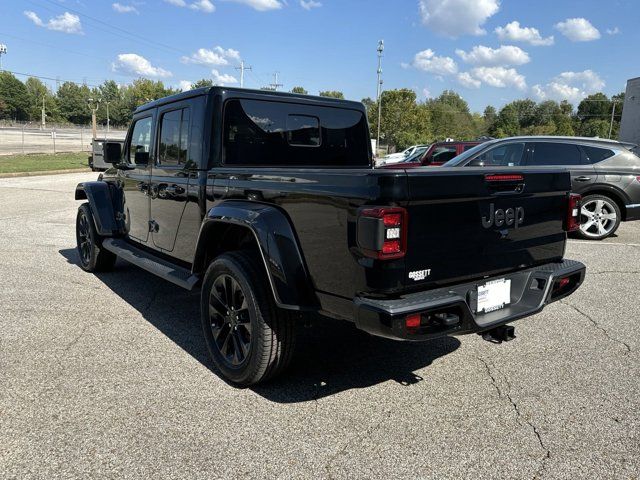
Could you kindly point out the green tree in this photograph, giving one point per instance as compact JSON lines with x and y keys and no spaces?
{"x":72,"y":99}
{"x":595,"y":128}
{"x":37,"y":92}
{"x":450,"y":117}
{"x":203,"y":82}
{"x":14,"y":96}
{"x":332,"y":94}
{"x":404,"y":121}
{"x":490,"y":115}
{"x":299,"y":90}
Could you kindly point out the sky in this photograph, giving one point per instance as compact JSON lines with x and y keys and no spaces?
{"x":489,"y":51}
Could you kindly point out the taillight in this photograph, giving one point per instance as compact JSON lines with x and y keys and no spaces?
{"x":382,"y":232}
{"x":573,"y":212}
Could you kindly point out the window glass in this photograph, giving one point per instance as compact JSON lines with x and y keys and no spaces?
{"x":467,"y":147}
{"x":258,"y":132}
{"x":552,"y":153}
{"x":503,"y":155}
{"x":174,"y":137}
{"x":140,"y":142}
{"x":596,"y":154}
{"x":443,"y":154}
{"x":303,"y":130}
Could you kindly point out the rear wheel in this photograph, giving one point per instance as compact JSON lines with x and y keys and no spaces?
{"x":599,"y":217}
{"x":249,"y":339}
{"x":93,"y":258}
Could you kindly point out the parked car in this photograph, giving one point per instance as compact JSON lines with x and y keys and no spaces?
{"x":605,"y":172}
{"x":400,"y":156}
{"x":436,"y":154}
{"x":267,"y":203}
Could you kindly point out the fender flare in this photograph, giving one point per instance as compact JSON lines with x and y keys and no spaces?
{"x":100,"y":200}
{"x":278,"y":245}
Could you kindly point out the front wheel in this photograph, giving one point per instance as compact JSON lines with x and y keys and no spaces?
{"x":599,"y":217}
{"x":93,"y":258}
{"x":249,"y":339}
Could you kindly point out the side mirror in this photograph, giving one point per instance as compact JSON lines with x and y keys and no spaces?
{"x":112,"y":152}
{"x":141,"y":158}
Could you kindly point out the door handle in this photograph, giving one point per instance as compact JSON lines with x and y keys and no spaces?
{"x":583,"y":178}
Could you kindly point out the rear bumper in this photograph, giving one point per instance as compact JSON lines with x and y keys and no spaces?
{"x":633,"y":212}
{"x":531,"y":290}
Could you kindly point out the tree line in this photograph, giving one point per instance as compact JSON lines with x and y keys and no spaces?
{"x":405,"y":120}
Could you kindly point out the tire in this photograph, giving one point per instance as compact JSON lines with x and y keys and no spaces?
{"x":600,"y":217}
{"x":93,"y":258}
{"x":249,"y":339}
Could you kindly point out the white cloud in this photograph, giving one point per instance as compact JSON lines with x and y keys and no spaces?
{"x":426,"y":93}
{"x":214,"y":57}
{"x":120,"y":8}
{"x":202,"y":5}
{"x":499,"y":77}
{"x":261,"y":5}
{"x":514,"y":32}
{"x":502,"y":56}
{"x":571,"y":86}
{"x":578,"y":30}
{"x":309,"y":4}
{"x":184,"y":85}
{"x":222,"y":78}
{"x":613,"y":31}
{"x":135,"y":65}
{"x":466,"y":80}
{"x":67,"y":22}
{"x":428,"y":61}
{"x":453,"y":18}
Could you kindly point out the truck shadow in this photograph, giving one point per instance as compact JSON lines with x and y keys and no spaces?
{"x":331,"y":356}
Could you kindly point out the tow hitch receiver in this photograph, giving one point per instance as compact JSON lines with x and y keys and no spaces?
{"x":503,"y":333}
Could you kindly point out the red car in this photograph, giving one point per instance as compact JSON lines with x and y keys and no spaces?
{"x":437,"y":154}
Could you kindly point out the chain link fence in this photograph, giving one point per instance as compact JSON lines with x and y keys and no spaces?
{"x":24,"y":138}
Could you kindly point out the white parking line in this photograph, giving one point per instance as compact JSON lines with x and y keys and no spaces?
{"x":587,"y":242}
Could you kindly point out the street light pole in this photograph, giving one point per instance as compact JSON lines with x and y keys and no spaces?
{"x":379,"y":90}
{"x":93,"y":105}
{"x":107,"y":116}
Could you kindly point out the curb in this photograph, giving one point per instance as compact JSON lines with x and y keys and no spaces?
{"x":45,"y":172}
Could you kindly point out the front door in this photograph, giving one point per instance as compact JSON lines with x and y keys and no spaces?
{"x":136,"y":177}
{"x":170,"y":176}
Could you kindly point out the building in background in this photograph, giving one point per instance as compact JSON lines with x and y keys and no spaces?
{"x":630,"y":123}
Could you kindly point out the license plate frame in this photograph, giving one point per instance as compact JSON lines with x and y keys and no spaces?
{"x":493,"y":295}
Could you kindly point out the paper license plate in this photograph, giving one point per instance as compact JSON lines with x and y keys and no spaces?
{"x":494,"y":295}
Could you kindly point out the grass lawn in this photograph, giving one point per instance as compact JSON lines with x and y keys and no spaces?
{"x":42,"y":162}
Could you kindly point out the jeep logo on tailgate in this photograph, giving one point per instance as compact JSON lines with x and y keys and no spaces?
{"x":500,"y":217}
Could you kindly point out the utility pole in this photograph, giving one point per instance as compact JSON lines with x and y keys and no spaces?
{"x":93,"y":105}
{"x":613,"y":111}
{"x":44,"y":115}
{"x":379,"y":91}
{"x":107,"y":103}
{"x":3,"y":51}
{"x":242,"y":68}
{"x":274,"y":86}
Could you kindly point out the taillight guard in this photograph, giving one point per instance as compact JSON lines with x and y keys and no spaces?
{"x":389,"y":234}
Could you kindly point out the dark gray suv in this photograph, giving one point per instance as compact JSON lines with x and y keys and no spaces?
{"x":605,"y":172}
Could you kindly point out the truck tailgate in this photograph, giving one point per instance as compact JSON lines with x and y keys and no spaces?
{"x":473,"y":222}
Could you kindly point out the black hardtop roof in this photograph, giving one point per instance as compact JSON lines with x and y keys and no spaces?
{"x":249,"y":93}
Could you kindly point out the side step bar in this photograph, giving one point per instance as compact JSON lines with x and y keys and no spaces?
{"x":149,"y":262}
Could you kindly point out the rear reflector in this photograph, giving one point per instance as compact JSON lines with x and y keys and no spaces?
{"x":413,"y":320}
{"x":503,"y":177}
{"x":573,"y":212}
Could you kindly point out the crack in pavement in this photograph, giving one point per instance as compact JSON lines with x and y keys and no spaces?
{"x":519,"y":416}
{"x":597,"y":325}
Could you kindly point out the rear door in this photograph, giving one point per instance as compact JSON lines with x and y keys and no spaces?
{"x":170,"y":175}
{"x":467,"y":222}
{"x":568,"y":155}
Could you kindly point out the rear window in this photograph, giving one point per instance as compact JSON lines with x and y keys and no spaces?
{"x":502,"y":155}
{"x":551,"y":153}
{"x":596,"y":154}
{"x":264,"y":133}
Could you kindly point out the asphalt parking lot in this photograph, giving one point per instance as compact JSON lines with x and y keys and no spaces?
{"x":108,"y":376}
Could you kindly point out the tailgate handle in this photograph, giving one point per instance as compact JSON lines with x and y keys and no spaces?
{"x":505,"y":184}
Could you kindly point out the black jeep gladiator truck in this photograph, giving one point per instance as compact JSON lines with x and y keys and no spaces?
{"x":269,"y":203}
